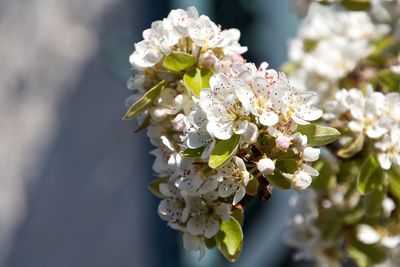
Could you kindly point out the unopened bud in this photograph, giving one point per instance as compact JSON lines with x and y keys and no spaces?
{"x":282,"y":142}
{"x":266,"y":166}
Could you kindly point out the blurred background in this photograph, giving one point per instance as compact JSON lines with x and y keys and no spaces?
{"x":73,"y":175}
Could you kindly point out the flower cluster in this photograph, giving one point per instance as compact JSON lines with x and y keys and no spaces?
{"x":353,"y":213}
{"x":324,"y":53}
{"x":224,"y":130}
{"x":375,"y":116}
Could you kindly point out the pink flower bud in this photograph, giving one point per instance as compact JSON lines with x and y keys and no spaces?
{"x":282,"y":142}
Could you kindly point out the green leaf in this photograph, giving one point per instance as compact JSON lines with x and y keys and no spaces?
{"x":352,"y":148}
{"x":389,"y":80}
{"x":178,"y":61}
{"x":146,"y":123}
{"x":309,"y":45}
{"x":223,"y":151}
{"x":356,"y":5}
{"x":353,"y":215}
{"x":326,"y":179}
{"x":154,"y":186}
{"x":230,"y":239}
{"x":193,"y":152}
{"x":279,"y":181}
{"x":145,"y":101}
{"x":373,"y":201}
{"x":394,"y":181}
{"x":238,"y":214}
{"x":197,"y":79}
{"x":210,"y":243}
{"x":371,"y":176}
{"x":319,"y":135}
{"x":381,"y":46}
{"x":252,"y":187}
{"x":373,"y":253}
{"x":358,"y":256}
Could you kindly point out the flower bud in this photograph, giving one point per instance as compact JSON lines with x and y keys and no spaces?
{"x":311,"y":154}
{"x":266,"y":166}
{"x":282,"y":142}
{"x":301,"y":180}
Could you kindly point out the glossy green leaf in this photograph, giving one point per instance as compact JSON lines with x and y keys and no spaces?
{"x":371,"y":176}
{"x":178,"y":61}
{"x":319,"y":135}
{"x":352,"y":148}
{"x":193,"y":152}
{"x":279,"y":181}
{"x":223,"y":151}
{"x":145,"y":101}
{"x":252,"y":187}
{"x":197,"y":79}
{"x":356,"y":5}
{"x":146,"y":123}
{"x":230,"y":239}
{"x":154,"y":186}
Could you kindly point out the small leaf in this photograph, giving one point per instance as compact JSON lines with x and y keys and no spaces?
{"x":238,"y":213}
{"x":252,"y":187}
{"x":146,"y":123}
{"x":373,"y":253}
{"x":197,"y":79}
{"x":178,"y":61}
{"x":154,"y":186}
{"x":230,"y":239}
{"x":352,"y":148}
{"x":373,"y":201}
{"x":210,"y":243}
{"x":279,"y":181}
{"x":193,"y":152}
{"x":356,"y":5}
{"x":389,"y":80}
{"x":309,"y":45}
{"x":371,"y":176}
{"x":319,"y":135}
{"x":394,"y":181}
{"x":382,"y":46}
{"x":326,"y":179}
{"x":223,"y":151}
{"x":145,"y":101}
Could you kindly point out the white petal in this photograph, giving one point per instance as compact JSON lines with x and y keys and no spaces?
{"x":241,"y":127}
{"x":384,"y":161}
{"x":239,"y":195}
{"x":211,"y":228}
{"x":222,"y":132}
{"x":298,"y":120}
{"x":210,"y":185}
{"x":251,"y":134}
{"x":309,"y":170}
{"x":196,"y":225}
{"x":367,"y":234}
{"x":311,"y":154}
{"x":301,"y":180}
{"x":269,"y":118}
{"x":222,"y":210}
{"x":227,"y":188}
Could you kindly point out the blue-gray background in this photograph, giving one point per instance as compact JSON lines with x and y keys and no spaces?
{"x":73,"y":176}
